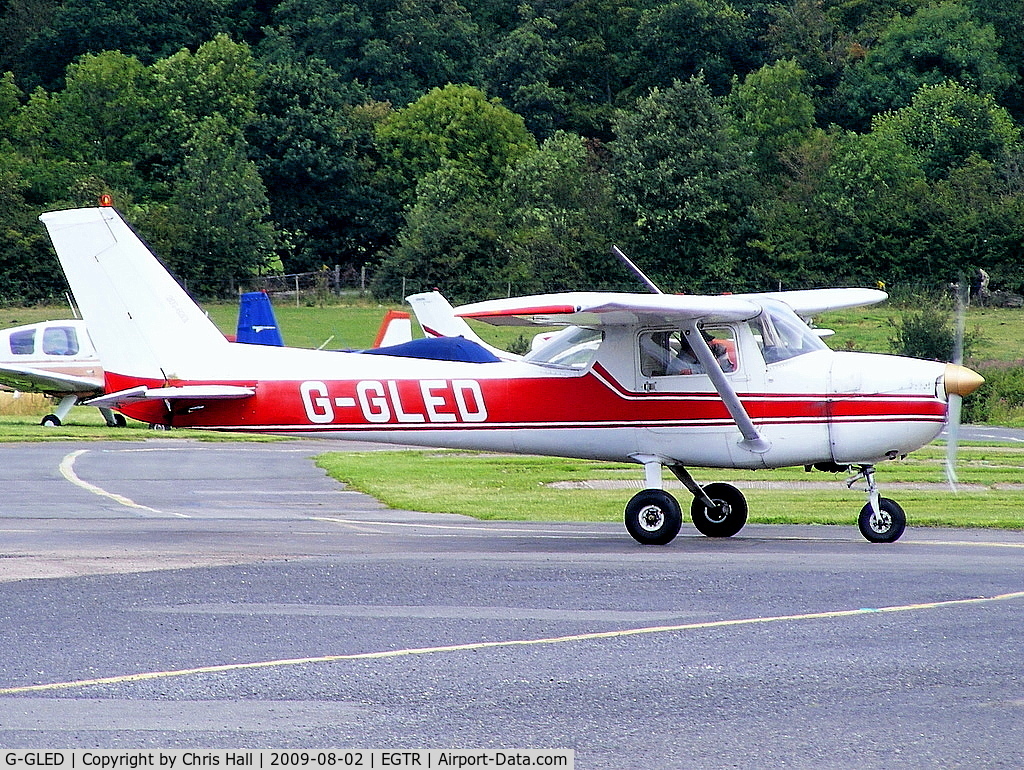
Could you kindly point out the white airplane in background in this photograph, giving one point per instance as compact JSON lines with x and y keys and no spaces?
{"x":735,"y":381}
{"x":56,"y":358}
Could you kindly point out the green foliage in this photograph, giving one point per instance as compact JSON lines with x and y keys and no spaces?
{"x":1000,"y":399}
{"x":930,"y":333}
{"x":146,"y":29}
{"x":945,"y":124}
{"x":220,"y":207}
{"x":700,"y":135}
{"x":772,"y":111}
{"x":937,"y":43}
{"x":452,"y":126}
{"x":682,"y":182}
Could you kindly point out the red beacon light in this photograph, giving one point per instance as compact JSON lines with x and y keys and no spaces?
{"x":106,"y":200}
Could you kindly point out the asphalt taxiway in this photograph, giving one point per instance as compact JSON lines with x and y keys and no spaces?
{"x":178,"y":594}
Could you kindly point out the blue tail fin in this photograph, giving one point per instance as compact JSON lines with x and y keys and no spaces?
{"x":256,"y":322}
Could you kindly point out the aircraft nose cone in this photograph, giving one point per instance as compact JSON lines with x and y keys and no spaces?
{"x":960,"y":380}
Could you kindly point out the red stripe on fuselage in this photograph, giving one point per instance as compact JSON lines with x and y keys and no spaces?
{"x":591,"y":400}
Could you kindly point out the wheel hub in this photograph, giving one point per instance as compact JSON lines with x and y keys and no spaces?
{"x":719,"y":513}
{"x":652,"y":518}
{"x":880,"y":522}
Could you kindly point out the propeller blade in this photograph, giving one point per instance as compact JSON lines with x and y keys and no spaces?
{"x":955,"y":394}
{"x":953,"y":438}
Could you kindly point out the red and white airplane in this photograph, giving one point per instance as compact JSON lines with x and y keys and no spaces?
{"x":734,"y":381}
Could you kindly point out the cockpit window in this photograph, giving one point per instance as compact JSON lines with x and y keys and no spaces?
{"x":781,"y":334}
{"x":574,"y":348}
{"x":668,"y":353}
{"x":60,"y":341}
{"x":23,"y":343}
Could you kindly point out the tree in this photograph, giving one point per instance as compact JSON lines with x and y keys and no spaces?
{"x":947,"y":123}
{"x":21,"y":20}
{"x":772,"y":112}
{"x":450,"y":240}
{"x":520,"y":71}
{"x":684,"y":38}
{"x":936,"y":44}
{"x":146,"y":29}
{"x":396,"y":48}
{"x":562,"y":220}
{"x":680,"y":180}
{"x":219,"y":211}
{"x":313,"y":144}
{"x":28,"y":271}
{"x":452,"y":126}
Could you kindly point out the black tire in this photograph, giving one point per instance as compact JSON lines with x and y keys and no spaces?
{"x":50,"y":421}
{"x":727,"y":518}
{"x":887,"y":526}
{"x":118,"y":421}
{"x":653,"y":517}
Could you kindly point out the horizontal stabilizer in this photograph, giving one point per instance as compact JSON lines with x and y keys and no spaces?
{"x":186,"y":392}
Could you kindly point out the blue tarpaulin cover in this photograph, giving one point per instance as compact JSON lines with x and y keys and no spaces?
{"x":440,"y":349}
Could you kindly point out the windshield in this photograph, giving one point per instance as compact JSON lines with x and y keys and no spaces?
{"x":575,"y":348}
{"x":781,"y":334}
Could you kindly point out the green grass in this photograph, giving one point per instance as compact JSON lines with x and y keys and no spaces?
{"x":517,"y":488}
{"x":84,"y":424}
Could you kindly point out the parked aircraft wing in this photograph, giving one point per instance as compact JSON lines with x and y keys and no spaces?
{"x":609,"y":309}
{"x":40,"y":381}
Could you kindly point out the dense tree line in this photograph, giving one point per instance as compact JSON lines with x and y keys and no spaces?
{"x":484,"y":146}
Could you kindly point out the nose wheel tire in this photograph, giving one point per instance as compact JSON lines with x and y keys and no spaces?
{"x":724,"y":520}
{"x":653,"y":517}
{"x":887,"y":525}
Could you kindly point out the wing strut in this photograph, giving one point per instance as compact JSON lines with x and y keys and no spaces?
{"x":752,"y":439}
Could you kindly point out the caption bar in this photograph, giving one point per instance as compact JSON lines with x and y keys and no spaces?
{"x":245,"y":759}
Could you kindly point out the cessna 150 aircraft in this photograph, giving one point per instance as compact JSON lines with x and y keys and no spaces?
{"x":734,"y":381}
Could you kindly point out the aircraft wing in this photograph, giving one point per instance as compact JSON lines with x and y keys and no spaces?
{"x":610,"y":309}
{"x":41,"y":381}
{"x":809,"y":302}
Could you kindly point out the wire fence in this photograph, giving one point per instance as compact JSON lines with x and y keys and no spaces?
{"x":318,"y":284}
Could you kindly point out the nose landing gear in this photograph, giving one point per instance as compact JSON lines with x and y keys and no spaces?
{"x":882,"y":520}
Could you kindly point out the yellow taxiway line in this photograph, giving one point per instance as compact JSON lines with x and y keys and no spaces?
{"x":831,"y":615}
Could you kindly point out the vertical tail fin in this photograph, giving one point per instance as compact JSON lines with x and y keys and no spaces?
{"x":395,"y":328}
{"x":141,"y":321}
{"x":437,"y":318}
{"x":257,"y":324}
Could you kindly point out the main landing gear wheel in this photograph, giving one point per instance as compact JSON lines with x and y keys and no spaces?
{"x":653,"y":517}
{"x":724,"y":520}
{"x":884,"y":527}
{"x":50,"y":421}
{"x":117,"y":421}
